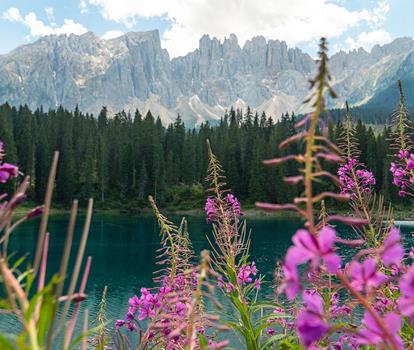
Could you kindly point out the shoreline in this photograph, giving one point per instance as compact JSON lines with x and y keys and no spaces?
{"x":249,"y":213}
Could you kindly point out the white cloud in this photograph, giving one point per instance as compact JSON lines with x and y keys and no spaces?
{"x":12,"y":15}
{"x":111,"y":34}
{"x":83,"y":6}
{"x":295,"y":21}
{"x":50,"y":15}
{"x":368,"y":39}
{"x":38,"y":28}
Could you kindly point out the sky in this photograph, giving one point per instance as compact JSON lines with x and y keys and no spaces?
{"x":348,"y":24}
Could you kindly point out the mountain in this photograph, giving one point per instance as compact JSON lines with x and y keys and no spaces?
{"x":133,"y":71}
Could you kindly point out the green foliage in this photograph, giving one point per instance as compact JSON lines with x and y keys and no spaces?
{"x":122,"y":160}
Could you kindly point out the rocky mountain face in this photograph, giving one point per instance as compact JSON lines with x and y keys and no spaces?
{"x":133,"y":71}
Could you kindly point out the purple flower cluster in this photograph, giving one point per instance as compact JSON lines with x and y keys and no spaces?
{"x":234,"y":204}
{"x":348,"y":184}
{"x":244,"y":273}
{"x":280,"y":320}
{"x":366,"y":277}
{"x":167,"y":307}
{"x":234,"y":208}
{"x":7,"y":170}
{"x":338,"y":310}
{"x":245,"y":276}
{"x":210,"y":210}
{"x":402,"y":171}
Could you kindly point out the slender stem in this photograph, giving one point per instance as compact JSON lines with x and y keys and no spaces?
{"x":310,"y":140}
{"x":360,"y":197}
{"x":30,"y":324}
{"x":42,"y":276}
{"x":85,"y":330}
{"x":401,"y":117}
{"x":45,"y":216}
{"x":72,"y":322}
{"x":76,"y":269}
{"x":223,"y":214}
{"x":63,"y":269}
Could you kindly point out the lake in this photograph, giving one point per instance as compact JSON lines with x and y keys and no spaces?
{"x":123,"y":250}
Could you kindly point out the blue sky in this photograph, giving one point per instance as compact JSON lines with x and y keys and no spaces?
{"x":348,"y":24}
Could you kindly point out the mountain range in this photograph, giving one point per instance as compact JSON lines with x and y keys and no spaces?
{"x":134,"y":71}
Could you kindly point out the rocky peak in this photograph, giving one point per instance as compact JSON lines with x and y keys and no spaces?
{"x":133,"y":71}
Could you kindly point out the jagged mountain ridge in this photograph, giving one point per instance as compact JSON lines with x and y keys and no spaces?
{"x":133,"y":71}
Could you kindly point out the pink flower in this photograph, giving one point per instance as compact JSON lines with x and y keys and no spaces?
{"x":229,"y":287}
{"x":406,"y":300}
{"x":180,"y":308}
{"x":220,"y":282}
{"x":210,"y":210}
{"x":131,"y":327}
{"x":347,"y":182}
{"x":8,"y":171}
{"x":372,"y":334}
{"x":217,"y":345}
{"x":391,"y":251}
{"x":253,"y":268}
{"x":336,"y":309}
{"x":119,"y":323}
{"x":308,"y":247}
{"x":365,"y":276}
{"x":291,"y":283}
{"x":311,"y":326}
{"x":244,"y":273}
{"x":38,"y":211}
{"x":402,"y":154}
{"x":234,"y":203}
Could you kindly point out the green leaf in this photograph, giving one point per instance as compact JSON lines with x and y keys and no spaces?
{"x":5,"y":344}
{"x":272,"y":340}
{"x":203,"y":341}
{"x":18,"y":262}
{"x":45,"y":317}
{"x":5,"y":304}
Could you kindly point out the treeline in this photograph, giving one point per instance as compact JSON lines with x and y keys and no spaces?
{"x":119,"y":160}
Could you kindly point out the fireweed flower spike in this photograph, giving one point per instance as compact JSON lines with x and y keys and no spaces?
{"x":350,"y":178}
{"x":210,"y":210}
{"x":234,"y":203}
{"x":402,"y":168}
{"x":239,"y":282}
{"x":311,"y":325}
{"x":171,"y":315}
{"x":371,"y":273}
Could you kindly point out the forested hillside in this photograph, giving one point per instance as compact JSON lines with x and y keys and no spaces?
{"x":119,"y":160}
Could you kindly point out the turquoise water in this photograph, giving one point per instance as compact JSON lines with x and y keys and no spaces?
{"x":123,"y":250}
